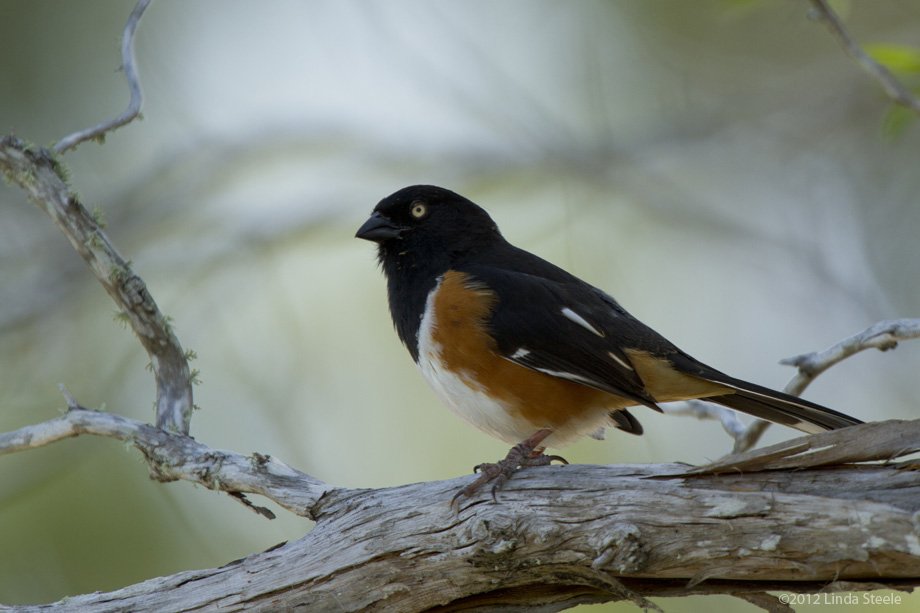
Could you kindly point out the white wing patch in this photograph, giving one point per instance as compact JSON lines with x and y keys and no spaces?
{"x":520,"y":353}
{"x":567,"y":375}
{"x":620,"y":361}
{"x":581,"y":321}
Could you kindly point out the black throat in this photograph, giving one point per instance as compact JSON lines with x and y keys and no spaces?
{"x":410,"y":278}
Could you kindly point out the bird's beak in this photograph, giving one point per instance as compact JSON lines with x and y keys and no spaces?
{"x":378,"y":229}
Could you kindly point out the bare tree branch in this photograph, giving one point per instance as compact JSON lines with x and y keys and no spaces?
{"x":128,"y":64}
{"x":894,"y":89}
{"x":882,"y":336}
{"x":37,"y":173}
{"x":566,"y":535}
{"x":745,"y":436}
{"x":172,"y":457}
{"x":706,"y":410}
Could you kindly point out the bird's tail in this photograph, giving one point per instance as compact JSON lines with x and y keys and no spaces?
{"x":780,"y":408}
{"x":762,"y":402}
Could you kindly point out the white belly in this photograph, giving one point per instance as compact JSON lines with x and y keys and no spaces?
{"x":467,"y":399}
{"x":472,"y":405}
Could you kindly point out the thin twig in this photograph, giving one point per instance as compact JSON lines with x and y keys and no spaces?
{"x":172,"y":457}
{"x":71,"y":401}
{"x":883,"y":336}
{"x":893,"y":88}
{"x":705,"y":410}
{"x":128,"y":64}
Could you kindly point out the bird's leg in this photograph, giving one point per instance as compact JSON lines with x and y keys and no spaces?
{"x":528,"y":452}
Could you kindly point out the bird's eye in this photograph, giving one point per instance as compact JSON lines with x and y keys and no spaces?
{"x":419,"y":209}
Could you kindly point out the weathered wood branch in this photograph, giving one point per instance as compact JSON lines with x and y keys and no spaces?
{"x":565,"y":535}
{"x":39,"y":175}
{"x":173,"y":456}
{"x":884,"y":336}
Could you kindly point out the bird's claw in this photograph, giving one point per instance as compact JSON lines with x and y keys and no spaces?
{"x":521,"y":455}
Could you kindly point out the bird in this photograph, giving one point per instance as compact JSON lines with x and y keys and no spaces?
{"x":528,"y":353}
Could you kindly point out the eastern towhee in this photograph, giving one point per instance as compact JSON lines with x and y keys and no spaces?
{"x":527,"y":352}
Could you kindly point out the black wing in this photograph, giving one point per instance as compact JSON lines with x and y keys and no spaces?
{"x":550,"y":321}
{"x":555,"y":323}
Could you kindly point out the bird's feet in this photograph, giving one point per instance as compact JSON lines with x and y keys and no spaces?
{"x":526,"y":453}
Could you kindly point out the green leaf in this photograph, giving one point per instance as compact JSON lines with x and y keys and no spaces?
{"x":899,"y":59}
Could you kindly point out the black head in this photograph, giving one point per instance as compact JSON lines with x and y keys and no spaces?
{"x":424,"y":220}
{"x":422,"y":231}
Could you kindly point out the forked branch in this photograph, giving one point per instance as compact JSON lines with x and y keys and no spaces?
{"x":883,"y":336}
{"x":37,"y":173}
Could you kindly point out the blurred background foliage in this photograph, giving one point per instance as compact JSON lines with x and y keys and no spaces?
{"x":719,"y":166}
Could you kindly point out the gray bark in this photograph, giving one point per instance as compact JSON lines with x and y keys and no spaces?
{"x":566,"y":535}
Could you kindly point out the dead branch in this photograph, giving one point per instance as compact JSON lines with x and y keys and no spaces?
{"x":883,"y":336}
{"x":566,"y":535}
{"x":173,"y":456}
{"x":38,"y":174}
